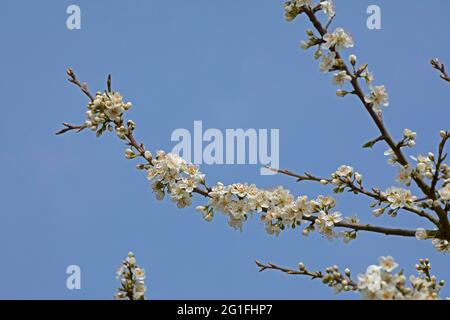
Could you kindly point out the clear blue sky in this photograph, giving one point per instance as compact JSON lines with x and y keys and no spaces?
{"x":232,"y":64}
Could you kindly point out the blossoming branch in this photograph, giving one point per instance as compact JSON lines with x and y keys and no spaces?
{"x":131,"y":278}
{"x":279,"y":209}
{"x":378,"y":283}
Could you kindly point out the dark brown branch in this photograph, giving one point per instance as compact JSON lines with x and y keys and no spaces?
{"x":441,"y":212}
{"x":356,"y":189}
{"x":83,"y":87}
{"x":263,"y":267}
{"x":436,"y":64}
{"x":371,"y":228}
{"x":344,"y":280}
{"x":69,"y":127}
{"x":440,"y":160}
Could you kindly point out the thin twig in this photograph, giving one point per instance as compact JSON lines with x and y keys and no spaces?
{"x":83,"y":86}
{"x":436,"y":64}
{"x":355,"y":189}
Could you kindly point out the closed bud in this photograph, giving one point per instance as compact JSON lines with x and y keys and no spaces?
{"x":148,"y":155}
{"x":304,"y":45}
{"x":341,"y":93}
{"x":317,"y":54}
{"x":129,"y":154}
{"x":352,"y":59}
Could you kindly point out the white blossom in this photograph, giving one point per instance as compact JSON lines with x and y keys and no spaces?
{"x":173,"y":174}
{"x":424,"y":167}
{"x":371,"y":280}
{"x":378,"y":97}
{"x":380,"y":283}
{"x":328,"y":62}
{"x":339,"y":39}
{"x":131,"y":278}
{"x":399,"y":198}
{"x":421,"y":234}
{"x":393,"y":157}
{"x":388,"y":263}
{"x":444,"y":193}
{"x":404,"y":175}
{"x":441,"y":245}
{"x":328,"y":8}
{"x":368,"y":77}
{"x":340,"y":78}
{"x":292,"y":8}
{"x":106,"y":107}
{"x":343,"y":171}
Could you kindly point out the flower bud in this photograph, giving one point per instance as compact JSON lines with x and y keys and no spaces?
{"x":148,"y":155}
{"x":352,"y":59}
{"x":378,"y":212}
{"x":341,"y":93}
{"x":129,"y":154}
{"x":304,"y":45}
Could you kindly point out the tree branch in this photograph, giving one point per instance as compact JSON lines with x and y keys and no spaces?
{"x":436,"y":64}
{"x":355,"y":189}
{"x":442,"y":214}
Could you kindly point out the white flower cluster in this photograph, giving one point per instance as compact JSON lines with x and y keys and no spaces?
{"x":325,"y":223}
{"x":399,"y":198}
{"x":106,"y":107}
{"x":169,"y":172}
{"x":441,"y":245}
{"x":396,"y":198}
{"x":279,"y":207}
{"x":333,"y":42}
{"x":335,"y":279}
{"x":344,"y":176}
{"x":379,"y":283}
{"x":238,"y":200}
{"x":425,"y":165}
{"x":409,"y":137}
{"x":132,"y":278}
{"x":292,"y":8}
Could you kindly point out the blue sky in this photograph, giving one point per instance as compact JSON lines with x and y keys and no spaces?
{"x":232,"y":64}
